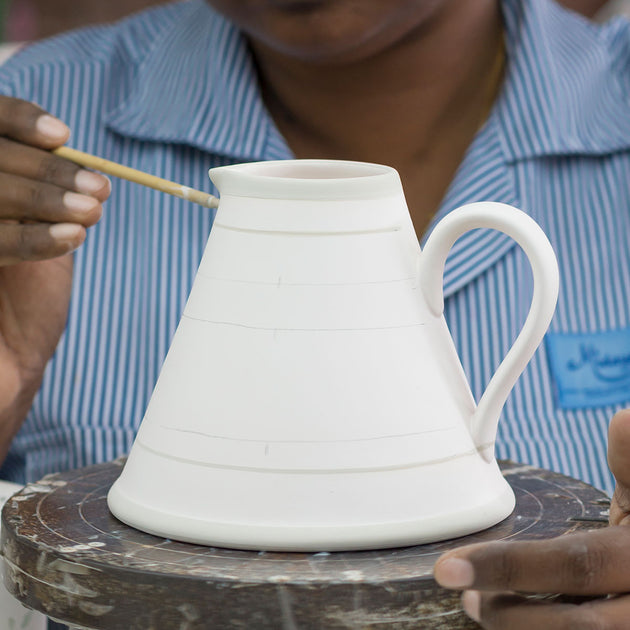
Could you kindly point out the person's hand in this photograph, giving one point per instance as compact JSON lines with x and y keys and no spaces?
{"x":497,"y":577}
{"x":46,"y":204}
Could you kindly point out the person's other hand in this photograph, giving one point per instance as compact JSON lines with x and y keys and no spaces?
{"x":46,"y":204}
{"x":498,"y":577}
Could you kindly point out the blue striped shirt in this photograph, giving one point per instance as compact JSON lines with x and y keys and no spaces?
{"x":173,"y":92}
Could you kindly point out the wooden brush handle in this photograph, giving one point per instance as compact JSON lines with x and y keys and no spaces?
{"x":139,"y":177}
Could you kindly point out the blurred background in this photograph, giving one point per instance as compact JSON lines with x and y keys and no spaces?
{"x":26,"y":20}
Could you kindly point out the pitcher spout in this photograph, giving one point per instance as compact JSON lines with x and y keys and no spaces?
{"x":219,"y":175}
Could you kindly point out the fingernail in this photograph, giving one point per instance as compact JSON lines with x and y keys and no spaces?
{"x":52,"y":127}
{"x":471,"y":603}
{"x":79,"y":203}
{"x":88,"y":182}
{"x":67,"y":232}
{"x":454,"y":573}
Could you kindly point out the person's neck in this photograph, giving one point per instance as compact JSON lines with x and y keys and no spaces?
{"x":415,"y":106}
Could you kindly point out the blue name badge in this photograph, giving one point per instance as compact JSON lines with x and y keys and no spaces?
{"x":590,"y":369}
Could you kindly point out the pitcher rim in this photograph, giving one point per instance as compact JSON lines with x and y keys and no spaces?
{"x":331,"y":179}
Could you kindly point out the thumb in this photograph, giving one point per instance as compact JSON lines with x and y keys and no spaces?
{"x":619,"y":463}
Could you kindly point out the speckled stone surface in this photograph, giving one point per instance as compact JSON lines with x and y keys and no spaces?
{"x":67,"y":556}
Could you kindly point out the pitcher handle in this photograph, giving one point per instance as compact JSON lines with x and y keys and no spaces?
{"x":528,"y":234}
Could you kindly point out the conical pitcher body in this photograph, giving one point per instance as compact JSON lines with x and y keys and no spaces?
{"x":312,"y":398}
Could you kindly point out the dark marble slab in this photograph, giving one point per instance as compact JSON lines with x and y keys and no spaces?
{"x":67,"y":556}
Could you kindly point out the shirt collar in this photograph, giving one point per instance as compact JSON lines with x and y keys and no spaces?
{"x":565,"y":92}
{"x":566,"y":89}
{"x":197,"y":86}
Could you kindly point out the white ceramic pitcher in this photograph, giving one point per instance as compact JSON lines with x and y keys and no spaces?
{"x":312,"y":398}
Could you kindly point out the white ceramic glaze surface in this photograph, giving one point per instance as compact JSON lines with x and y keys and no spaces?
{"x":312,"y":398}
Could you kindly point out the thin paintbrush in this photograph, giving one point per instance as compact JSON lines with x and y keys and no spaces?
{"x":139,"y":177}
